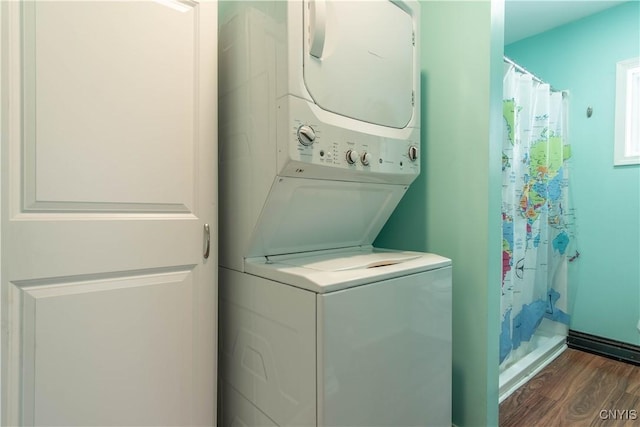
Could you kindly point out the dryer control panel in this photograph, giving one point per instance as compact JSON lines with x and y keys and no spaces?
{"x":329,"y":146}
{"x":349,"y":148}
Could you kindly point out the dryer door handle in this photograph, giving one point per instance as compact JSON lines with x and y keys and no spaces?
{"x":317,"y":27}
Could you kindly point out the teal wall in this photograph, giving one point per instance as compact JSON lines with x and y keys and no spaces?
{"x":581,"y":57}
{"x":453,"y":208}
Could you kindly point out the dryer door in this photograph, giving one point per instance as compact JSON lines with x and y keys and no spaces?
{"x":359,"y":60}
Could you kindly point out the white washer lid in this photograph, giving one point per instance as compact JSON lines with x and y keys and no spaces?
{"x":333,"y":270}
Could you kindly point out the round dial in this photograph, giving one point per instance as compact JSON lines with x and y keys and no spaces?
{"x":365,"y":158}
{"x":306,"y":135}
{"x":352,"y":156}
{"x":413,"y":153}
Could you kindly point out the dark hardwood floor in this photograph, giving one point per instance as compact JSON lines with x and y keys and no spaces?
{"x":577,"y":389}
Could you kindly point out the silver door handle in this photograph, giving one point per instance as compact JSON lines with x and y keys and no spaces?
{"x":207,"y":241}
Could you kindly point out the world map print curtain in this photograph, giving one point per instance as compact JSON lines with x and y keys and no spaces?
{"x":535,"y":215}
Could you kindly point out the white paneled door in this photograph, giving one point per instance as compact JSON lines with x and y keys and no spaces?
{"x":108,"y":184}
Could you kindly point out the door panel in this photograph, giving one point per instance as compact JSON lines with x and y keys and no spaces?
{"x":365,"y":66}
{"x":108,"y":179}
{"x":90,"y":365}
{"x":119,"y":99}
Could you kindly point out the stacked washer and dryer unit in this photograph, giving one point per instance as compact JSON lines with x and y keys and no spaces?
{"x":319,"y":140}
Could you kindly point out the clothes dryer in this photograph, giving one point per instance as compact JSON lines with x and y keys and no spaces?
{"x":317,"y":145}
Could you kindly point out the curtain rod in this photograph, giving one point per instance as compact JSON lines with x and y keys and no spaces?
{"x":523,"y":70}
{"x":533,"y":76}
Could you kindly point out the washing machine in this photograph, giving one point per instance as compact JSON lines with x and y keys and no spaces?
{"x":319,"y":139}
{"x":350,"y":337}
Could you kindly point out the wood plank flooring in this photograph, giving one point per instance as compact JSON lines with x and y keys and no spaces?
{"x":577,"y":389}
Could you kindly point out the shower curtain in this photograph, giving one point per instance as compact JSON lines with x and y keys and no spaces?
{"x":535,"y":212}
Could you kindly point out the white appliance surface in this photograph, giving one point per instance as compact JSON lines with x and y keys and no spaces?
{"x":319,"y":140}
{"x":303,"y":215}
{"x":316,"y":145}
{"x":384,"y":352}
{"x":333,"y":270}
{"x":359,"y":64}
{"x":372,"y":355}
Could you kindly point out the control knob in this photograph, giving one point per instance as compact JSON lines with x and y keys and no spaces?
{"x":352,"y":156}
{"x":413,"y":153}
{"x":306,"y":135}
{"x":365,"y":158}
